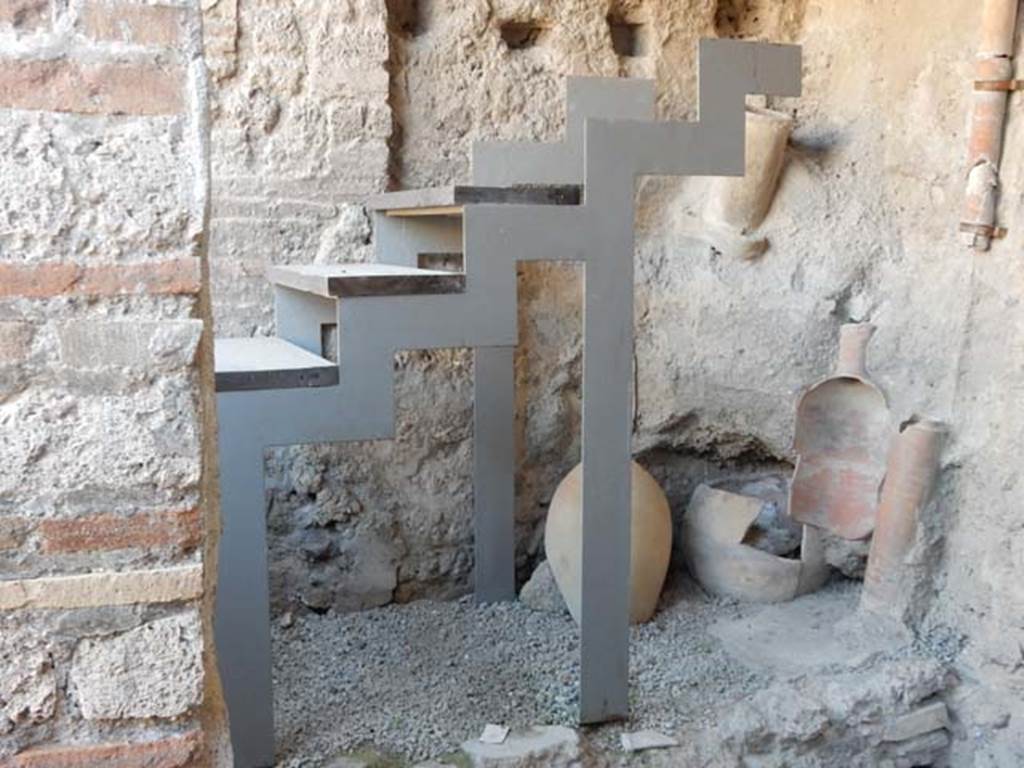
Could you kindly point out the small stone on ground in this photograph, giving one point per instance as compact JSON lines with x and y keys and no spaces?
{"x":541,"y":592}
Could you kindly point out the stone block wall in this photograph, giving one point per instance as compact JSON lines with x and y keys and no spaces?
{"x":107,"y":500}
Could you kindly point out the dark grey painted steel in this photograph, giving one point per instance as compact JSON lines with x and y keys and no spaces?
{"x":611,"y":139}
{"x":609,"y":155}
{"x":242,"y":617}
{"x":340,"y":280}
{"x":461,"y":194}
{"x":494,"y":465}
{"x":268,"y":363}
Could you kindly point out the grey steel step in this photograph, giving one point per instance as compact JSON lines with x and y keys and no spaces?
{"x":337,"y":280}
{"x":268,"y":363}
{"x":448,"y":201}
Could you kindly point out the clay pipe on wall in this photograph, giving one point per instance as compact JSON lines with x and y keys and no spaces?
{"x":993,"y":81}
{"x":853,"y":349}
{"x":891,"y":580}
{"x":736,"y":205}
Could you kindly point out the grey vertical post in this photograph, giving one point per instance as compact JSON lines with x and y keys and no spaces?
{"x":242,"y":621}
{"x":607,"y":434}
{"x":494,"y":462}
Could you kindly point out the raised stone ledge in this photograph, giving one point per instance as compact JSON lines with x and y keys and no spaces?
{"x":164,"y":585}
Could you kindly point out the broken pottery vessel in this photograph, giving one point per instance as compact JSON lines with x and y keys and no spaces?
{"x":894,"y":576}
{"x":650,"y":541}
{"x":714,"y":528}
{"x":843,"y":429}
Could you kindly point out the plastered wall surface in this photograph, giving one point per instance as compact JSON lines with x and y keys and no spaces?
{"x":107,"y":487}
{"x":315,"y":106}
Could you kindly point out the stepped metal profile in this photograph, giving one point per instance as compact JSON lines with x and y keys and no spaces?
{"x":570,"y":200}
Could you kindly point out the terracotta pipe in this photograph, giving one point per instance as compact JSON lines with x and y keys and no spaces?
{"x":892,"y":580}
{"x":853,"y":349}
{"x":993,"y":81}
{"x":737,"y":205}
{"x":742,"y":202}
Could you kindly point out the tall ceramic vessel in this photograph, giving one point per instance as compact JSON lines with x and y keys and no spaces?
{"x":650,"y":541}
{"x":892,"y":581}
{"x":843,"y":429}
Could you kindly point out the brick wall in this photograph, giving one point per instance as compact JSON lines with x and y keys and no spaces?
{"x":300,"y":125}
{"x":106,"y":508}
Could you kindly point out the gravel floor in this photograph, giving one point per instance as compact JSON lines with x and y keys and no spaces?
{"x":417,"y":680}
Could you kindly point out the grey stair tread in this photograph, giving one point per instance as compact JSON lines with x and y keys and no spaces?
{"x":268,"y":363}
{"x":456,"y":196}
{"x":336,"y":280}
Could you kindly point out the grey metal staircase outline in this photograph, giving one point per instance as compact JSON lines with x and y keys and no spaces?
{"x":521,"y":208}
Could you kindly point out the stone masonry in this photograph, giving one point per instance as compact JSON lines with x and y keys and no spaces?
{"x":317,"y":105}
{"x":107,"y":503}
{"x":107,"y":507}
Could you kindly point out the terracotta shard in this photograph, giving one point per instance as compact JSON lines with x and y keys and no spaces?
{"x":843,"y":429}
{"x":715,"y":525}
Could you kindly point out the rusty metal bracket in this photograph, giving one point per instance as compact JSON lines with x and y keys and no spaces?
{"x":993,"y":233}
{"x":998,"y":85}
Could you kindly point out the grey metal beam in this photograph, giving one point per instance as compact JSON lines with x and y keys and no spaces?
{"x":353,"y":280}
{"x":242,"y":618}
{"x":494,"y":464}
{"x":463,"y":194}
{"x":268,"y":363}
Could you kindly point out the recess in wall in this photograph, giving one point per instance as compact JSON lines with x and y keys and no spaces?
{"x":407,"y":17}
{"x":446,"y":262}
{"x":739,"y":18}
{"x":629,"y":38}
{"x":522,"y":34}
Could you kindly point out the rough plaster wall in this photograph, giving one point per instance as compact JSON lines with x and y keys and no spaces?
{"x":107,"y":491}
{"x":863,"y":228}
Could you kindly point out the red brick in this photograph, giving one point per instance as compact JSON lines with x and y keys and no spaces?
{"x":158,"y":25}
{"x":36,"y":281}
{"x":66,"y":85}
{"x":106,"y":532}
{"x":26,"y":15}
{"x":174,"y":752}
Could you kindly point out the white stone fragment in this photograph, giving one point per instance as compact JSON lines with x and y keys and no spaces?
{"x":550,"y":746}
{"x":28,"y":686}
{"x":640,"y":740}
{"x":155,"y":670}
{"x":494,"y":734}
{"x":930,"y":717}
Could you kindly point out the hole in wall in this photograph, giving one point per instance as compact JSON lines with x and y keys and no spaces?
{"x":519,"y":35}
{"x":407,"y":17}
{"x":739,"y":18}
{"x":629,"y":38}
{"x":446,"y":262}
{"x":329,"y":341}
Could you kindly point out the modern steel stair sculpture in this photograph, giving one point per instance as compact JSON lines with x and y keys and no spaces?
{"x":571,"y":200}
